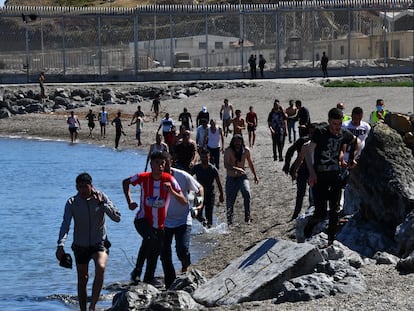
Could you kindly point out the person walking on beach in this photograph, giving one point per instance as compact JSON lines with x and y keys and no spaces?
{"x":277,"y":126}
{"x":323,"y":162}
{"x":201,"y":135}
{"x":157,"y":188}
{"x":291,"y":112}
{"x":74,"y":125}
{"x":119,"y":130}
{"x":137,"y":114}
{"x":206,"y":174}
{"x":262,"y":62}
{"x":214,"y":141}
{"x":185,"y":152}
{"x":252,"y":121}
{"x":156,"y":104}
{"x":357,"y":127}
{"x":303,"y":115}
{"x":178,"y":224}
{"x":324,"y":64}
{"x":298,"y":170}
{"x":42,"y":80}
{"x":226,"y":115}
{"x":235,"y":157}
{"x":166,"y":124}
{"x":138,"y":119}
{"x":158,"y":146}
{"x":203,"y":115}
{"x":185,"y":119}
{"x":238,"y":123}
{"x":103,"y":120}
{"x":91,"y":117}
{"x":90,"y":241}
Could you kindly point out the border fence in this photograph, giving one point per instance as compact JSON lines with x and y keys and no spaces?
{"x":99,"y":43}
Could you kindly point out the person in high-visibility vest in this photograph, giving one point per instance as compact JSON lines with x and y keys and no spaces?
{"x":341,"y":106}
{"x":378,"y":114}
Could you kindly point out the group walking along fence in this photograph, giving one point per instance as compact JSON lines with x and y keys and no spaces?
{"x":204,"y":38}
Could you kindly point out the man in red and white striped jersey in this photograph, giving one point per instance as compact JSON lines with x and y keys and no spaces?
{"x":156,"y":190}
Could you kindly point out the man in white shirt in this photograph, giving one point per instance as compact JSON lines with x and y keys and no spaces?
{"x":357,"y":127}
{"x":178,"y":224}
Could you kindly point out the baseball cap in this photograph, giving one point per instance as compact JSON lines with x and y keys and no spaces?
{"x":204,"y":109}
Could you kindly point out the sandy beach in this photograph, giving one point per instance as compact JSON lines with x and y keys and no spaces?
{"x":273,"y":198}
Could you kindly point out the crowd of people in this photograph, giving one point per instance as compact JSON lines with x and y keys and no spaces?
{"x":181,"y":185}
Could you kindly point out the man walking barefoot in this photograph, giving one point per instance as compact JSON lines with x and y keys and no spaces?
{"x":90,"y":241}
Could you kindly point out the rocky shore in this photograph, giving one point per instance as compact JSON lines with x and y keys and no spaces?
{"x":272,"y":198}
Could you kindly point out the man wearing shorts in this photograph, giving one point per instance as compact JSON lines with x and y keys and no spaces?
{"x":103,"y":120}
{"x":156,"y":107}
{"x":74,"y":125}
{"x":251,"y":119}
{"x":226,"y":115}
{"x":90,"y":241}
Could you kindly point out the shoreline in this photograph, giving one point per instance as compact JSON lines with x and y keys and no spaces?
{"x":273,"y":198}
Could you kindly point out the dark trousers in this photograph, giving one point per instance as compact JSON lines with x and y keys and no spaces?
{"x":327,"y":190}
{"x":182,"y":247}
{"x":208,"y":206}
{"x":152,"y":241}
{"x":291,"y":129}
{"x":278,"y":142}
{"x":214,"y":156}
{"x":117,"y":138}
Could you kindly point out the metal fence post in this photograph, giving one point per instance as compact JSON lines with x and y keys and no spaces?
{"x":171,"y":43}
{"x":349,"y":36}
{"x":63,"y":46}
{"x":384,"y":27}
{"x":206,"y":30}
{"x":277,"y":41}
{"x":313,"y":37}
{"x":100,"y":46}
{"x":27,"y":52}
{"x":136,"y":64}
{"x":241,"y":40}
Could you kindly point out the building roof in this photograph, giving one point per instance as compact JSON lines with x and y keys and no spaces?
{"x":396,"y":15}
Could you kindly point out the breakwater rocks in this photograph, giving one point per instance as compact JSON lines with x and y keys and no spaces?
{"x":24,"y":99}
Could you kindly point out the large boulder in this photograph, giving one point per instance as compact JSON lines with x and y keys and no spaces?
{"x":259,"y":273}
{"x":5,"y":113}
{"x":384,"y":179}
{"x":404,"y":235}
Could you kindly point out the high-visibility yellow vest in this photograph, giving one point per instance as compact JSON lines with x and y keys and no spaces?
{"x":374,"y":117}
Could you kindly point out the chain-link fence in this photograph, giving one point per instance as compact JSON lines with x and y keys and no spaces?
{"x":215,"y":38}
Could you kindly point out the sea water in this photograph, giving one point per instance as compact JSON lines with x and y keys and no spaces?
{"x":38,"y":176}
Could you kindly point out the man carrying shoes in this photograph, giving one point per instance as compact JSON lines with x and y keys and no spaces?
{"x":87,"y":208}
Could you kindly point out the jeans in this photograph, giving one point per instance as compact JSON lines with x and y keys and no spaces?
{"x":233,"y":185}
{"x":291,"y":128}
{"x":215,"y":156}
{"x":182,"y":247}
{"x":278,"y":142}
{"x":152,"y":240}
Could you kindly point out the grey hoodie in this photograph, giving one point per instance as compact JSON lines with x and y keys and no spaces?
{"x":89,"y":220}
